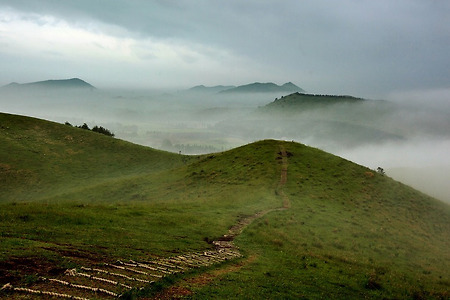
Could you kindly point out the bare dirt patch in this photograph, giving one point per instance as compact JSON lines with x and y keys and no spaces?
{"x":16,"y":268}
{"x":174,"y":292}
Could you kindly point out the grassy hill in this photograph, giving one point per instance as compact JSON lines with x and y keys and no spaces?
{"x":71,"y":196}
{"x":41,"y":158}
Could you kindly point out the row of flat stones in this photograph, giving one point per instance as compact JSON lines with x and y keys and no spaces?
{"x":124,"y":276}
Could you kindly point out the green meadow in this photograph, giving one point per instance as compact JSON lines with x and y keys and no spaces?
{"x":69,"y":196}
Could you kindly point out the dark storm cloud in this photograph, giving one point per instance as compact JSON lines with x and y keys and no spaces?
{"x":359,"y":47}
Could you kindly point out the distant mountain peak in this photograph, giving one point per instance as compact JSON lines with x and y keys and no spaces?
{"x":289,"y":84}
{"x":72,"y":83}
{"x":12,"y":84}
{"x":268,"y":87}
{"x":210,"y":89}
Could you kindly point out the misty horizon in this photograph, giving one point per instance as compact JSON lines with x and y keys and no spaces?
{"x":407,"y":139}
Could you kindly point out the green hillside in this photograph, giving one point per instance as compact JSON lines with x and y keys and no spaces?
{"x":323,"y":227}
{"x":41,"y":158}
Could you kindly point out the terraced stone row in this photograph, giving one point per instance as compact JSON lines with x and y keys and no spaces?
{"x":111,"y":280}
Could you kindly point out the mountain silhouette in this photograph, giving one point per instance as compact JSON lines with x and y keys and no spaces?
{"x":210,"y":89}
{"x":73,"y":83}
{"x":269,"y":87}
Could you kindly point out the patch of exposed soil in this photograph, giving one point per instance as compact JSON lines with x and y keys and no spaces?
{"x":16,"y":268}
{"x":174,"y":292}
{"x":78,"y":254}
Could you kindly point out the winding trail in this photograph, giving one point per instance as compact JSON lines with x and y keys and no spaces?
{"x":226,"y":241}
{"x":111,"y":280}
{"x":283,"y":177}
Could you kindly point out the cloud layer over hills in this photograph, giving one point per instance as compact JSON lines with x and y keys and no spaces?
{"x":363,"y":48}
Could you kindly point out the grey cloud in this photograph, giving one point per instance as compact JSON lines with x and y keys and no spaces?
{"x":360,"y":47}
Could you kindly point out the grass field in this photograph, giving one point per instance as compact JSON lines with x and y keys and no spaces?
{"x":70,"y":196}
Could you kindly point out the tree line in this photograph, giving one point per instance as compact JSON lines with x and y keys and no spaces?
{"x":98,"y":129}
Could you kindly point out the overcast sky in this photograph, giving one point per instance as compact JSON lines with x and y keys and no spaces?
{"x":364,"y":48}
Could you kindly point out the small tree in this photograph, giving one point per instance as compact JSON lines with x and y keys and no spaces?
{"x":98,"y":129}
{"x":84,"y":126}
{"x":102,"y":130}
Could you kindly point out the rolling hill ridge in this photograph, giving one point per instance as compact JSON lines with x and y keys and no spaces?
{"x":333,"y":229}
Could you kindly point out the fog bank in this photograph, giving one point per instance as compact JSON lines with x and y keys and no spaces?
{"x":421,"y":163}
{"x":408,"y":135}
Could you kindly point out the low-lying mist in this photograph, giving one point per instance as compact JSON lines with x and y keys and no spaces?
{"x":410,"y":140}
